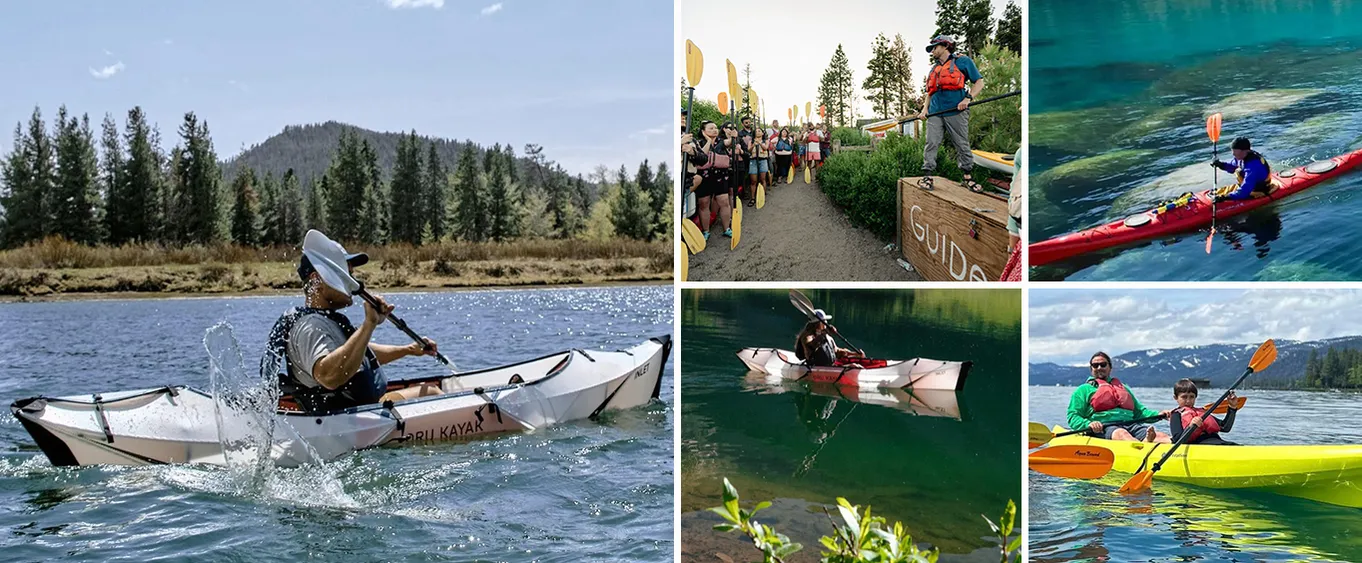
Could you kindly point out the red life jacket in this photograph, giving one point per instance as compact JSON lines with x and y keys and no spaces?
{"x":1208,"y":423}
{"x":1110,"y":395}
{"x":945,"y":76}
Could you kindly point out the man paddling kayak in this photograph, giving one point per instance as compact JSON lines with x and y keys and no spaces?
{"x":1251,"y":169}
{"x":330,"y":364}
{"x":1188,"y":417}
{"x":815,"y":346}
{"x":1106,"y":407}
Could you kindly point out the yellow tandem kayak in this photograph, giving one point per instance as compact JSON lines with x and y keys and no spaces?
{"x":1005,"y":163}
{"x":1325,"y":473}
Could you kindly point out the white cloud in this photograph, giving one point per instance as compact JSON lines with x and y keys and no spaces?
{"x":108,"y":52}
{"x":494,"y":8}
{"x":650,"y":132}
{"x":400,"y":4}
{"x":107,"y":71}
{"x":1064,"y":325}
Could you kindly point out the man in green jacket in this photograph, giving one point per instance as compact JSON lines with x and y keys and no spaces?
{"x":1107,"y":408}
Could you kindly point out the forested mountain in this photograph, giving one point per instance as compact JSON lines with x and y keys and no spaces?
{"x":370,"y":187}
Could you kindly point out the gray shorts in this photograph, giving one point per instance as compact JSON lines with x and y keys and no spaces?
{"x":1136,"y":429}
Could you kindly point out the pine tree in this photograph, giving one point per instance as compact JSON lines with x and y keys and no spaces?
{"x":950,"y":19}
{"x":1009,"y":34}
{"x":111,"y":176}
{"x":290,"y":205}
{"x":661,"y":194}
{"x":836,"y":90}
{"x":170,"y":198}
{"x":271,"y":218}
{"x":244,"y":213}
{"x":198,"y":177}
{"x":405,"y":192}
{"x":346,"y":196}
{"x":906,"y":97}
{"x":1312,"y":369}
{"x":643,"y":182}
{"x":978,"y":25}
{"x":315,"y":209}
{"x":470,"y":216}
{"x":880,"y":82}
{"x":436,"y":194}
{"x":501,"y":195}
{"x":73,"y":202}
{"x":535,"y":219}
{"x":630,"y":213}
{"x":144,"y":196}
{"x":18,"y":199}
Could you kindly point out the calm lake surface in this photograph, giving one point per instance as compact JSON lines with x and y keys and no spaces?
{"x":1073,"y":520}
{"x":583,"y":491}
{"x":803,"y":447}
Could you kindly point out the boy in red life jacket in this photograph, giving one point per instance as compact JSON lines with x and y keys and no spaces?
{"x":1188,"y":417}
{"x":1107,"y":408}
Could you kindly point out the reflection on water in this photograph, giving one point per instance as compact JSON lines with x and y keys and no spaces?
{"x":920,"y":458}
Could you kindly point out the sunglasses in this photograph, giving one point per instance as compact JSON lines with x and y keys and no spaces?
{"x":1099,"y":365}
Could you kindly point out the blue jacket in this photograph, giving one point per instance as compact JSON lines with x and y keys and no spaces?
{"x":1256,"y":172}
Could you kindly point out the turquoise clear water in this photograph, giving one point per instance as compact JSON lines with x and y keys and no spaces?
{"x":1088,"y":521}
{"x":583,"y":491}
{"x":1119,"y":95}
{"x":803,"y":446}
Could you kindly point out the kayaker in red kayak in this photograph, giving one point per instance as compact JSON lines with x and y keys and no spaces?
{"x":314,"y":351}
{"x":816,"y":347}
{"x":1251,"y":168}
{"x":1106,"y":407}
{"x":1188,"y":417}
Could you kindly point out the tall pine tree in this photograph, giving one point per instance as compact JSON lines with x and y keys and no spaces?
{"x":660,"y":194}
{"x":836,"y":90}
{"x":73,"y":202}
{"x":906,"y":97}
{"x":881,"y":80}
{"x":315,"y":209}
{"x":244,"y":213}
{"x":1009,"y":34}
{"x":198,"y":178}
{"x":290,"y":210}
{"x":271,"y":218}
{"x":502,"y":221}
{"x":405,"y":192}
{"x":630,"y":212}
{"x":470,"y":216}
{"x":110,"y":173}
{"x":137,"y":211}
{"x":21,"y":203}
{"x":950,"y":19}
{"x":978,"y":25}
{"x":436,"y":188}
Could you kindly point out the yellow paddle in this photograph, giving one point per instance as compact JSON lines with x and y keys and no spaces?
{"x":694,"y":239}
{"x":695,"y":69}
{"x":808,"y":179}
{"x":1072,"y":462}
{"x":761,"y":196}
{"x":734,"y":92}
{"x":737,"y":227}
{"x":789,"y":178}
{"x":695,"y":64}
{"x":1266,"y":354}
{"x":685,"y":262}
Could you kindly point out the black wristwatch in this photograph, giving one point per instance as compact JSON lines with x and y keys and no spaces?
{"x":969,"y":96}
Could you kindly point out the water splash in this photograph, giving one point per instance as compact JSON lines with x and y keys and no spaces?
{"x":243,"y":407}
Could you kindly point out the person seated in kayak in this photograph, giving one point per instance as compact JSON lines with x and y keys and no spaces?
{"x":1106,"y":407}
{"x":1188,"y":417}
{"x":1252,"y":170}
{"x":815,"y":346}
{"x":318,"y":356}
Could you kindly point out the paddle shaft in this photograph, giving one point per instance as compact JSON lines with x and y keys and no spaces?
{"x":972,"y":104}
{"x":1187,"y":433}
{"x":685,"y":182}
{"x":402,"y":325}
{"x":1215,"y":181}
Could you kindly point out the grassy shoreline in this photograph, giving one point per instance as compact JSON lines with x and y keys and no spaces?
{"x":58,"y":269}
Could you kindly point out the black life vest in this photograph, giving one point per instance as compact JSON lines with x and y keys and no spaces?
{"x":824,"y":354}
{"x":364,"y":388}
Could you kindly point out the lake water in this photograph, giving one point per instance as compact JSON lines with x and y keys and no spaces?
{"x":1074,"y":520}
{"x":1117,"y":124}
{"x":583,"y":491}
{"x":804,"y":447}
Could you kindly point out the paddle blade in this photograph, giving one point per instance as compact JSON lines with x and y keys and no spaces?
{"x":789,"y":114}
{"x":1072,"y":462}
{"x":1224,"y":408}
{"x":1266,"y":354}
{"x":1038,"y":435}
{"x":796,"y":112}
{"x":823,"y":112}
{"x":761,"y":196}
{"x":685,"y":263}
{"x":808,"y":179}
{"x":1139,"y":483}
{"x":737,"y":227}
{"x":1213,"y":127}
{"x":1209,"y":237}
{"x":695,"y":64}
{"x":694,"y":239}
{"x":723,"y":100}
{"x":789,"y":178}
{"x":733,"y":91}
{"x":808,"y":109}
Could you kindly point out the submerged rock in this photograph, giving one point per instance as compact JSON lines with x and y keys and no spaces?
{"x":1245,"y":104}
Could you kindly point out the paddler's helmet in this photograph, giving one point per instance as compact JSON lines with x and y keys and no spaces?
{"x":946,"y":40}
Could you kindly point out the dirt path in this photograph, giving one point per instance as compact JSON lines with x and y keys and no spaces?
{"x":799,"y":236}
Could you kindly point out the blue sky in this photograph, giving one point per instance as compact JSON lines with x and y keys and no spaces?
{"x":591,"y":81}
{"x":1067,"y":324}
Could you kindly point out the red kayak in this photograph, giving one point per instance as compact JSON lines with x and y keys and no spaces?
{"x":1188,"y":213}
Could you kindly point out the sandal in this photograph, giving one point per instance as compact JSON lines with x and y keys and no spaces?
{"x":973,"y":186}
{"x":925,"y":183}
{"x":728,"y":232}
{"x":706,"y":233}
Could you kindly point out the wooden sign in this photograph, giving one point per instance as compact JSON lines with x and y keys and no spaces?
{"x":951,"y":233}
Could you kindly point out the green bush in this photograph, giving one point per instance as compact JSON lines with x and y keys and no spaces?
{"x":866,"y":185}
{"x":851,"y":137}
{"x":996,"y":126}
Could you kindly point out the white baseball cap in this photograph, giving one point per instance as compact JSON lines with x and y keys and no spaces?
{"x":326,"y":256}
{"x":821,"y":315}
